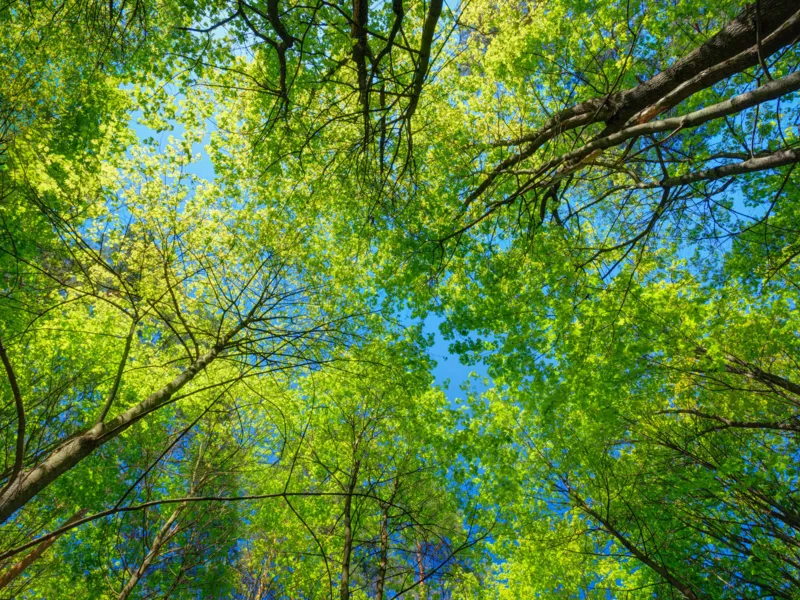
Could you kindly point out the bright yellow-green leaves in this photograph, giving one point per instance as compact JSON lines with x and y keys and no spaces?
{"x":249,"y":265}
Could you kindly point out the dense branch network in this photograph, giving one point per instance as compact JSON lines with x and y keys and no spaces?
{"x":540,"y":168}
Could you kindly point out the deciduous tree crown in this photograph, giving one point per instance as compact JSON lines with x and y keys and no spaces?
{"x":225,"y":224}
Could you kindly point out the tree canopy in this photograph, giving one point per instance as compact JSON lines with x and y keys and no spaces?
{"x":228,"y":227}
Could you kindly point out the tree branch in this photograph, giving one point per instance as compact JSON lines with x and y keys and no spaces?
{"x":20,"y":445}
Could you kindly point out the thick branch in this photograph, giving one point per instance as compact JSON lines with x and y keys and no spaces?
{"x":360,"y":53}
{"x":118,"y":378}
{"x":12,"y":380}
{"x":785,"y":35}
{"x":730,"y":51}
{"x":428,"y":29}
{"x":161,"y":538}
{"x":738,"y":36}
{"x":730,"y":423}
{"x":769,"y":91}
{"x":36,"y":553}
{"x":27,"y":484}
{"x":762,"y":163}
{"x":665,"y":573}
{"x":399,"y":13}
{"x":344,"y":592}
{"x":741,"y":367}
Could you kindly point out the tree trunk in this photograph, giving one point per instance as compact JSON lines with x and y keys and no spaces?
{"x":737,"y":37}
{"x":645,"y":558}
{"x":35,"y":554}
{"x":344,"y":593}
{"x":384,"y":555}
{"x":161,"y":538}
{"x":420,"y":573}
{"x":732,"y":50}
{"x":263,"y":575}
{"x":27,"y":484}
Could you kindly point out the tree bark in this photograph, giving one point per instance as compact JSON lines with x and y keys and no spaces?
{"x":733,"y":49}
{"x":161,"y":538}
{"x":22,"y":488}
{"x":420,"y":573}
{"x":384,"y":555}
{"x":735,"y":38}
{"x":344,"y":593}
{"x":19,"y":452}
{"x":665,"y":573}
{"x":35,"y":554}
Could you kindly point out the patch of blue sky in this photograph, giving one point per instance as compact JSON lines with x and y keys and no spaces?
{"x":450,"y":373}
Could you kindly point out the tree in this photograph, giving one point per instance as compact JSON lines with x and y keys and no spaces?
{"x":215,"y":378}
{"x":165,"y":285}
{"x":367,"y":515}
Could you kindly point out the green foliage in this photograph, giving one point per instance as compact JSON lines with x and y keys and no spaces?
{"x":223,"y":226}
